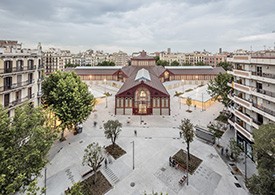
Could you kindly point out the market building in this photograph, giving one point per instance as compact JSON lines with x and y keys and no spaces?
{"x":142,"y":91}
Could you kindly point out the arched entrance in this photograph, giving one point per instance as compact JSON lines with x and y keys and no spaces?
{"x":142,"y":101}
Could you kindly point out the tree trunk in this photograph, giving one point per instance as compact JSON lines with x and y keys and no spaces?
{"x":95,"y":177}
{"x":62,"y":138}
{"x":188,"y":151}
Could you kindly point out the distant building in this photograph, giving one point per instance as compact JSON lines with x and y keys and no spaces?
{"x":120,"y":58}
{"x":142,"y":91}
{"x":21,"y":74}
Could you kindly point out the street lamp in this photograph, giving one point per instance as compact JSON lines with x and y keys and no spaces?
{"x":45,"y":180}
{"x":105,"y":93}
{"x":201,"y":101}
{"x":182,"y":85}
{"x":133,"y":154}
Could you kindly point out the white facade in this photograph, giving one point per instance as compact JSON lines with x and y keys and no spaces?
{"x":253,"y":94}
{"x":21,"y":74}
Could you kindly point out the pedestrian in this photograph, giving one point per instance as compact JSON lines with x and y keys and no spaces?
{"x":135,"y":132}
{"x":222,"y":151}
{"x":195,"y":106}
{"x":170,"y":161}
{"x":95,"y":123}
{"x":106,"y":162}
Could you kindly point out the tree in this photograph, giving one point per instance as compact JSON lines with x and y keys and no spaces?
{"x":76,"y":189}
{"x":106,"y":63}
{"x":219,"y":89}
{"x":162,"y":63}
{"x":71,"y":65}
{"x":187,"y":130}
{"x":201,"y":63}
{"x":112,"y":129}
{"x":225,"y":65}
{"x":188,"y":102}
{"x":69,"y":98}
{"x":24,"y":142}
{"x":93,"y":157}
{"x":235,"y":149}
{"x":264,"y":149}
{"x":175,"y":63}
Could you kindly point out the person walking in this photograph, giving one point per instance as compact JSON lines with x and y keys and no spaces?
{"x":106,"y":162}
{"x":135,"y":132}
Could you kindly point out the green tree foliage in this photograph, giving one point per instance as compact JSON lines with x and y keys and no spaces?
{"x":162,"y":63}
{"x":188,"y":102}
{"x":93,"y":157}
{"x":71,"y":65}
{"x":24,"y":142}
{"x":69,"y":98}
{"x":177,"y":94}
{"x":201,"y":63}
{"x":225,"y":65}
{"x":187,"y":130}
{"x":76,"y":189}
{"x":112,"y":129}
{"x":264,"y":150}
{"x":219,"y":89}
{"x":234,"y":149}
{"x":106,"y":63}
{"x":175,"y":63}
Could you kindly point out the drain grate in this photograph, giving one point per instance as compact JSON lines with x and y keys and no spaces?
{"x":132,"y":184}
{"x":237,"y":185}
{"x":162,"y":169}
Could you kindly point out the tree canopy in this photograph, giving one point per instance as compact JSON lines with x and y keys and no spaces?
{"x":69,"y":97}
{"x":188,"y":102}
{"x":264,"y":150}
{"x":187,"y":130}
{"x":112,"y":129}
{"x":162,"y":63}
{"x":93,"y":157}
{"x":175,"y":63}
{"x":219,"y":89}
{"x":106,"y":63}
{"x":225,"y":65}
{"x":24,"y":142}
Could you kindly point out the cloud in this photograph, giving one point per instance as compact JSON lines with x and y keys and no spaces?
{"x":183,"y":25}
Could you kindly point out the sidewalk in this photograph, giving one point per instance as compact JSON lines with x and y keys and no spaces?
{"x":251,"y":166}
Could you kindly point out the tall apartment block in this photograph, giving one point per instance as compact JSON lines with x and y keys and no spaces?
{"x":21,"y":74}
{"x":253,"y":95}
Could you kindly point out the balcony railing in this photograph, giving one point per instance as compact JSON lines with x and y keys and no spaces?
{"x":243,"y":116}
{"x":41,"y":66}
{"x":16,"y":69}
{"x":241,"y":87}
{"x":261,"y":74}
{"x":243,"y":131}
{"x":18,"y":101}
{"x":39,"y":93}
{"x":241,"y":72}
{"x":265,"y":92}
{"x":16,"y":85}
{"x":264,"y":109}
{"x":243,"y":102}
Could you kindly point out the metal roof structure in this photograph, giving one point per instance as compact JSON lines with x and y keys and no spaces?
{"x":143,"y":74}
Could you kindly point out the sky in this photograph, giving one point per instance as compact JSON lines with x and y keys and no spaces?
{"x":134,"y":25}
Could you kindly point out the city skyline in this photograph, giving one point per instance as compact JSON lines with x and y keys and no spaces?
{"x":132,"y":26}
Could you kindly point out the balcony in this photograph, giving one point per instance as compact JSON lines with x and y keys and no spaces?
{"x":40,"y":79}
{"x":18,"y":101}
{"x":244,"y":132}
{"x":241,"y":87}
{"x":265,"y":77}
{"x":15,"y":86}
{"x":231,"y":122}
{"x":41,"y":66}
{"x":241,"y":73}
{"x":264,"y":94}
{"x":242,"y":102}
{"x":266,"y":112}
{"x":39,"y":93}
{"x":243,"y":117}
{"x":5,"y":71}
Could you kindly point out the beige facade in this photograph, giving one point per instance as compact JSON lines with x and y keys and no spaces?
{"x":253,"y":94}
{"x":120,"y":58}
{"x":21,"y":74}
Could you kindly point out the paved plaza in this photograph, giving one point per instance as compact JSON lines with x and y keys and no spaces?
{"x":157,"y":139}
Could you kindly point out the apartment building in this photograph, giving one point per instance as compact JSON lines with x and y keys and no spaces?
{"x":55,"y":59}
{"x":120,"y":58}
{"x":21,"y":74}
{"x":252,"y":95}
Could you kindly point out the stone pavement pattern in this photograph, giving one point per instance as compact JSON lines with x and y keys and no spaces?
{"x":155,"y":142}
